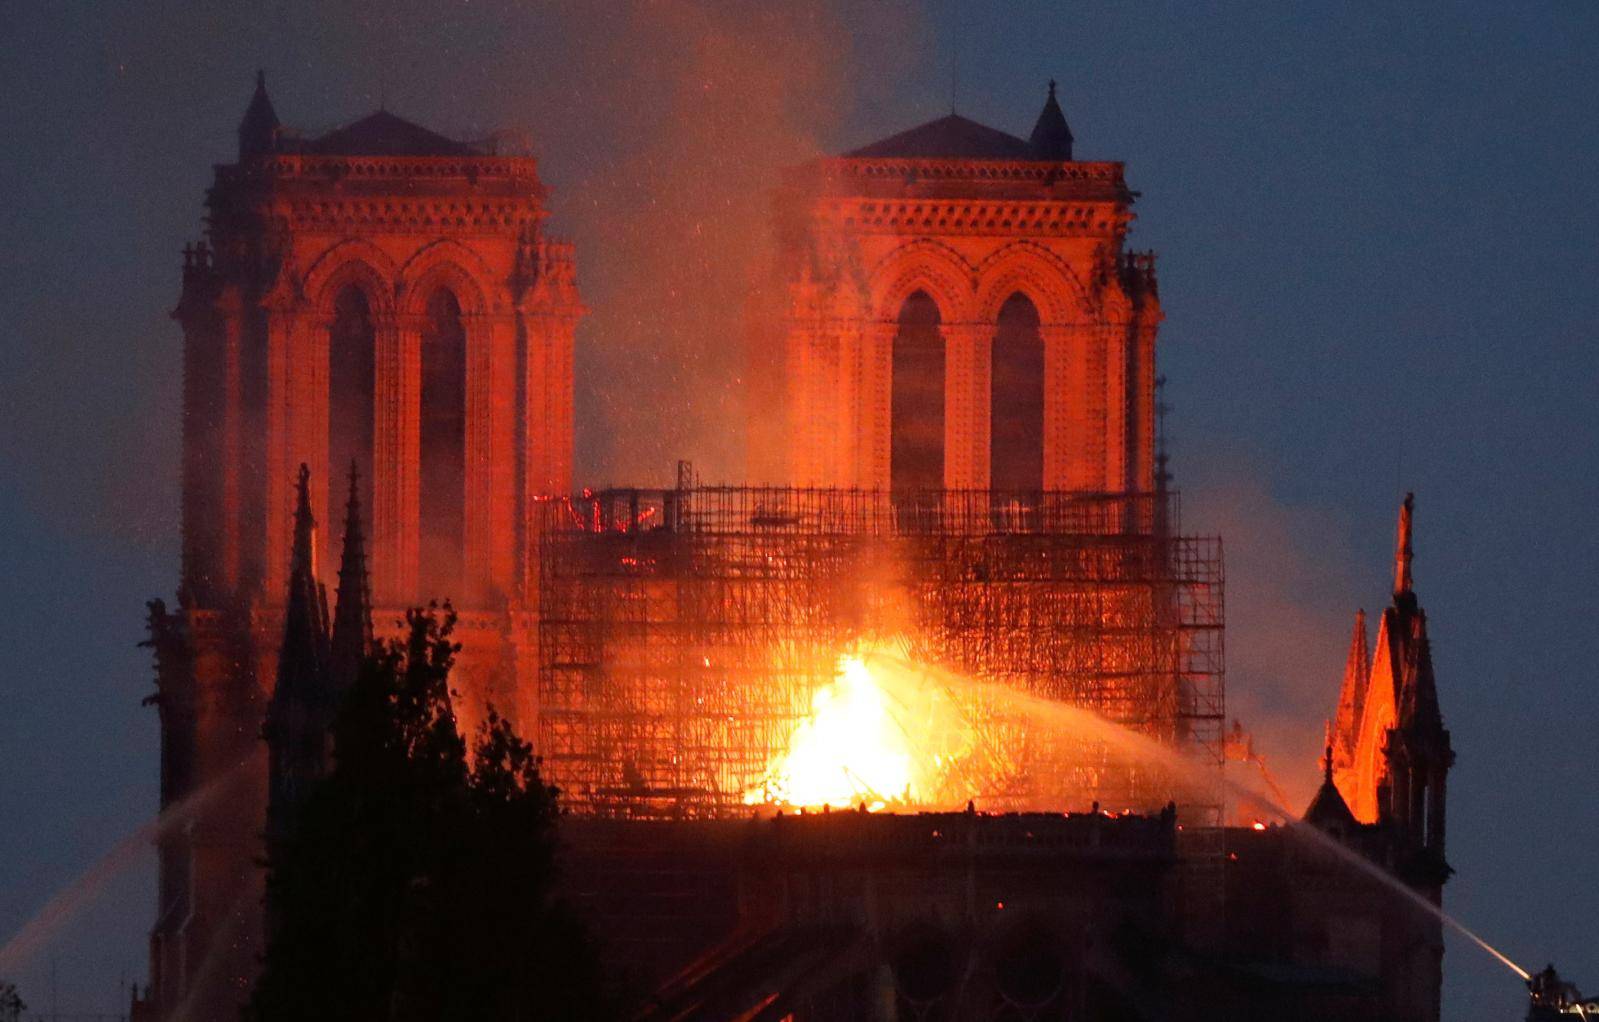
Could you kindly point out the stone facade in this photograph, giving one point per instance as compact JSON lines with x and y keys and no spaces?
{"x":967,"y":219}
{"x":382,"y":296}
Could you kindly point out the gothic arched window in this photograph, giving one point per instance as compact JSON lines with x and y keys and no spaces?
{"x":442,"y":475}
{"x":352,"y":343}
{"x":916,"y":432}
{"x":1016,"y":407}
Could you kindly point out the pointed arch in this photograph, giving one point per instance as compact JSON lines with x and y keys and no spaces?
{"x":926,"y":266}
{"x":445,"y":262}
{"x":1043,"y":277}
{"x":352,"y":260}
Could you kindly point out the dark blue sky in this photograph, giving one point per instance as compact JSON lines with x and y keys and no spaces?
{"x":1377,"y":260}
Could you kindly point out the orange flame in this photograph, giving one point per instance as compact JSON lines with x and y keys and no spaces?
{"x":871,"y":738}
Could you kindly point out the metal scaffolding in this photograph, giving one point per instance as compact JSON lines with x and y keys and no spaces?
{"x":683,"y":633}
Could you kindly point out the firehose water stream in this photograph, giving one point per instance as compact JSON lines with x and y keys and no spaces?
{"x":70,"y":902}
{"x":872,"y":740}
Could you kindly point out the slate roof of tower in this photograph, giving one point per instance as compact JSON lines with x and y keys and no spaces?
{"x":1051,"y":138}
{"x":953,"y":137}
{"x":385,"y":134}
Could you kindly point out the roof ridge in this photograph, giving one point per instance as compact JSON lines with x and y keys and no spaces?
{"x":951,"y":135}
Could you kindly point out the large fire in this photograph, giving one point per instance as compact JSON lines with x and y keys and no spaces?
{"x":878,"y":736}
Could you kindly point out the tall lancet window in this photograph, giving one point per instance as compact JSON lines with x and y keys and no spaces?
{"x":352,"y":343}
{"x":443,"y":448}
{"x":916,"y":435}
{"x":1016,"y":409}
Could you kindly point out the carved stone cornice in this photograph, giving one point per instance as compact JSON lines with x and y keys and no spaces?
{"x":969,"y":215}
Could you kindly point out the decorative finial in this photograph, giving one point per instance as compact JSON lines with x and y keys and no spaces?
{"x":1326,"y":756}
{"x":260,"y":78}
{"x":304,"y":553}
{"x":1052,"y":88}
{"x":1403,"y":552}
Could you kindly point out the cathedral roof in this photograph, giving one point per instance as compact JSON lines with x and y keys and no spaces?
{"x":957,"y":137}
{"x":385,"y":134}
{"x":954,"y":137}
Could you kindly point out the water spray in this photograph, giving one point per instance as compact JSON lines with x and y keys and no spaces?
{"x":1083,"y":721}
{"x":70,"y":902}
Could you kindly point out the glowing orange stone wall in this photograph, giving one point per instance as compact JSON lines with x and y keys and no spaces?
{"x":861,"y":235}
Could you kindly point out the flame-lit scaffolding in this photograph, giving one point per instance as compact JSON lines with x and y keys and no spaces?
{"x":683,"y":633}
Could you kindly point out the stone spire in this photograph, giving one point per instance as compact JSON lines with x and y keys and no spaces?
{"x":1403,"y":554}
{"x":1051,"y":138}
{"x":1415,"y":748}
{"x":305,"y":629}
{"x":1352,"y":696}
{"x":352,"y":615}
{"x":296,"y":718}
{"x":258,"y":131}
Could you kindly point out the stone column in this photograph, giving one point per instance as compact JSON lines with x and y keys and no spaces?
{"x":800,"y":372}
{"x":547,"y":397}
{"x":230,"y":511}
{"x":876,"y":403}
{"x":1118,"y":355}
{"x":492,"y":522}
{"x":967,"y":349}
{"x":847,"y":395}
{"x":1143,"y":390}
{"x":1064,"y":367}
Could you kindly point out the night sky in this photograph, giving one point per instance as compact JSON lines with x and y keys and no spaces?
{"x":1377,"y":262}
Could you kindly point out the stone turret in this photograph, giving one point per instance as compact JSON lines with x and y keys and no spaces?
{"x":258,"y":131}
{"x":1051,"y":138}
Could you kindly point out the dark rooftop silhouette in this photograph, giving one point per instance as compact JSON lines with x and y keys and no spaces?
{"x":957,"y":137}
{"x":385,"y":134}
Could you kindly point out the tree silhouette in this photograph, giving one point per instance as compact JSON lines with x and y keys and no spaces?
{"x":418,"y":883}
{"x":11,"y":1006}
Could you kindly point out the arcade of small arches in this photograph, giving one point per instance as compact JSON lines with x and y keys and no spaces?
{"x":919,"y":391}
{"x":958,"y":364}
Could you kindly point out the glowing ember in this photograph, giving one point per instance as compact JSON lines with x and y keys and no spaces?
{"x":868,"y":740}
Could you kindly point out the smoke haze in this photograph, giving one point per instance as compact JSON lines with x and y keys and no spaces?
{"x":1319,"y":184}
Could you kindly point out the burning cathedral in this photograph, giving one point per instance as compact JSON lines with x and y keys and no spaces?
{"x":928,"y":724}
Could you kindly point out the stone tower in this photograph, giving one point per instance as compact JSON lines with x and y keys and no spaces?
{"x":1389,"y":758}
{"x":1391,"y":753}
{"x":961,"y":314}
{"x":382,"y":296}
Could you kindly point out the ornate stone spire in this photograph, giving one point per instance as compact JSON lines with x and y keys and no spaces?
{"x":296,"y":719}
{"x":1402,"y":549}
{"x":1352,"y":696}
{"x":303,"y":658}
{"x":258,"y":131}
{"x":1051,"y":138}
{"x":352,"y":615}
